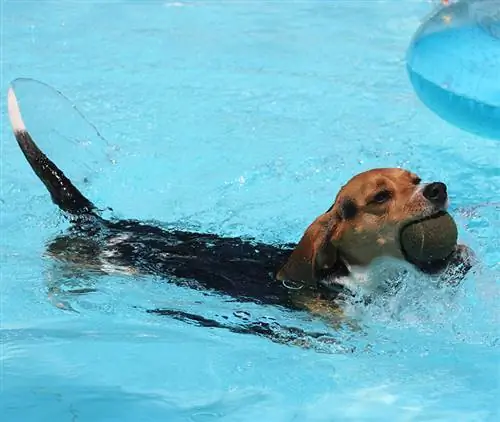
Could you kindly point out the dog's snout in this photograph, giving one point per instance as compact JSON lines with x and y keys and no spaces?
{"x":436,"y":193}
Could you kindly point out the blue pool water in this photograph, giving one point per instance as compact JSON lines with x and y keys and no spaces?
{"x":240,"y":118}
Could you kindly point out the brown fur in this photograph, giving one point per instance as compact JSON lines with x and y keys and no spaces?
{"x":373,"y":230}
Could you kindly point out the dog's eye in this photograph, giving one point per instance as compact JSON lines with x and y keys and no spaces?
{"x":381,"y":197}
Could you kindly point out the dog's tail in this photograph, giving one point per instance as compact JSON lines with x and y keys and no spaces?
{"x":64,"y":194}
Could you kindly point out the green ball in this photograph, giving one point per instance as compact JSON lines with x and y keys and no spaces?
{"x":431,"y":239}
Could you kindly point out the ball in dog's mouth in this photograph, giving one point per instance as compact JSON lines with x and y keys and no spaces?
{"x":429,"y":240}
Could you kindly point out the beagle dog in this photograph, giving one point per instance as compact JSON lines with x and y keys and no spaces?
{"x":361,"y":226}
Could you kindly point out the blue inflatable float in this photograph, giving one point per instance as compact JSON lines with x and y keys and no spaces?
{"x":454,"y":64}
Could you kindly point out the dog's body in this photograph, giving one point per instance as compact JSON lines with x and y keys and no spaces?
{"x":241,"y":269}
{"x":362,"y":225}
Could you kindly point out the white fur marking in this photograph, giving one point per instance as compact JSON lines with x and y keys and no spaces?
{"x":110,"y":268}
{"x":109,"y":253}
{"x":15,"y":117}
{"x":366,"y":280}
{"x":120,"y":238}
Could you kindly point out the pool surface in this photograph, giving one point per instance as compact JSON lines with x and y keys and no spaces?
{"x":241,"y":118}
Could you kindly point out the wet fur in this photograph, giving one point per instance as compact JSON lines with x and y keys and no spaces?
{"x":308,"y":276}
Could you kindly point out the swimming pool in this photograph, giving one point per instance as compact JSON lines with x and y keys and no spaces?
{"x":240,"y":118}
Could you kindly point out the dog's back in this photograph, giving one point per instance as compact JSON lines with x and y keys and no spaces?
{"x":240,"y":268}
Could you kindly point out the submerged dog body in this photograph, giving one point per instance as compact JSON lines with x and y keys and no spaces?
{"x":362,"y":225}
{"x":241,"y":269}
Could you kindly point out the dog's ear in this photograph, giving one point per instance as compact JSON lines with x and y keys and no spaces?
{"x":314,"y":253}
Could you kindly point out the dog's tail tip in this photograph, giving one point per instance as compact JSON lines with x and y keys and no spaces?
{"x":64,"y":194}
{"x":15,"y":117}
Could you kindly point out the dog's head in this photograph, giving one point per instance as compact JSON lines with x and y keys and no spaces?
{"x":364,"y":223}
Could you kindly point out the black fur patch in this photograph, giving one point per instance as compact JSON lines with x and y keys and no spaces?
{"x":348,"y":209}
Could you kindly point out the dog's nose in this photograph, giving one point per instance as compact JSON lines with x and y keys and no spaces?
{"x":436,"y":193}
